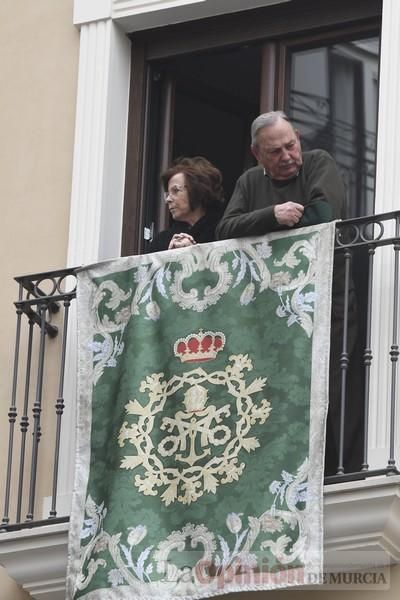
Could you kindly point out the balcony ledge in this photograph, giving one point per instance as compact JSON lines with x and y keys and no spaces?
{"x":37,"y":559}
{"x":362,"y":523}
{"x":362,"y":530}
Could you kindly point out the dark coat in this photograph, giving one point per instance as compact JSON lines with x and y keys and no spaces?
{"x":202,"y":231}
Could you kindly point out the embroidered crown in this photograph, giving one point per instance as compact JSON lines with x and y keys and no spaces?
{"x":199,"y":347}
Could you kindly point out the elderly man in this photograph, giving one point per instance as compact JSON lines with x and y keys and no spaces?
{"x":291,"y":188}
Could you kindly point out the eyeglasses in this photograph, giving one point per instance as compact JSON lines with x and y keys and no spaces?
{"x":174,"y":191}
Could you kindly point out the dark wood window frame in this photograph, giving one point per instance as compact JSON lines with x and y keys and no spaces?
{"x":282,"y":28}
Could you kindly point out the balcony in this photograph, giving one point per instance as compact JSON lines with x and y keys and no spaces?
{"x":361,"y":494}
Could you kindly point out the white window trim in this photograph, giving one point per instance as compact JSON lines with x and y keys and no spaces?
{"x":134,"y":15}
{"x":387,"y":184}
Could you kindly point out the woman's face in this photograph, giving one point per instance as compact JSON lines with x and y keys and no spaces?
{"x":177,"y":199}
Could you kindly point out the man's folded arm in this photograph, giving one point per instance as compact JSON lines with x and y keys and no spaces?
{"x":316,"y":212}
{"x":239,"y":221}
{"x":257,"y":222}
{"x":326,"y":191}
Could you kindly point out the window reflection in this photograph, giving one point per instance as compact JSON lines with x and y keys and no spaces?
{"x":333,"y":101}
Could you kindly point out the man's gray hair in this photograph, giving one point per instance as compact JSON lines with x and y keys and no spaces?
{"x":266,"y":120}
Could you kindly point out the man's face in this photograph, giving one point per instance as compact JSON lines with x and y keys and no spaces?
{"x":278,"y":149}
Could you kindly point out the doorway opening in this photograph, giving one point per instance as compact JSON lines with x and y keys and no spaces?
{"x":202,"y":105}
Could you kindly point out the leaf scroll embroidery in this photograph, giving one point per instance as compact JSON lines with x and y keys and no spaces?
{"x":251,"y":265}
{"x":129,"y":560}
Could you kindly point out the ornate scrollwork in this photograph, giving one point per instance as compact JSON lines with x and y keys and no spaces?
{"x":193,"y":432}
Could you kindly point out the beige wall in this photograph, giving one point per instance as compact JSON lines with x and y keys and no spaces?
{"x":39,"y":49}
{"x":10,"y":591}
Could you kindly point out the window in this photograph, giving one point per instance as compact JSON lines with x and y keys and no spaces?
{"x":197,"y":86}
{"x":332,"y":99}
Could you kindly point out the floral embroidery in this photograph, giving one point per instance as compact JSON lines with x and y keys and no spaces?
{"x":154,"y":566}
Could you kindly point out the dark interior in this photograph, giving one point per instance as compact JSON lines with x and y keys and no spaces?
{"x":216,"y":98}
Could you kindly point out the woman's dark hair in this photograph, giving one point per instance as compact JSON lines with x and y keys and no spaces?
{"x":203,"y":182}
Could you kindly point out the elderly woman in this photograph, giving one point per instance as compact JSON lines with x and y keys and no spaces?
{"x":194,"y":195}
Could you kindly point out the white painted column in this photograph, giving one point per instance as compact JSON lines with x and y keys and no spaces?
{"x":97,"y":188}
{"x":387,"y":199}
{"x":100,"y":144}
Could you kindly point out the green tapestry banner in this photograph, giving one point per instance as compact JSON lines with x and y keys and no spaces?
{"x":203,"y":390}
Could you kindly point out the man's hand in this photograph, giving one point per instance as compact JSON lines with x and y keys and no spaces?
{"x":288,"y":213}
{"x":180,"y":240}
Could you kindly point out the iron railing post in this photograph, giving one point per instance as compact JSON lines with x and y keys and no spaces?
{"x":344,"y":359}
{"x":59,"y":410}
{"x":12,"y":413}
{"x":36,"y":412}
{"x":368,"y":357}
{"x":394,"y":352}
{"x":24,"y":420}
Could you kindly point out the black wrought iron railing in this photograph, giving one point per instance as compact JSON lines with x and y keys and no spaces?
{"x":358,"y":242}
{"x":42,"y":310}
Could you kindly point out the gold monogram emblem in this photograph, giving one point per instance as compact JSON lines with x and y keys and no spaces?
{"x":203,"y":444}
